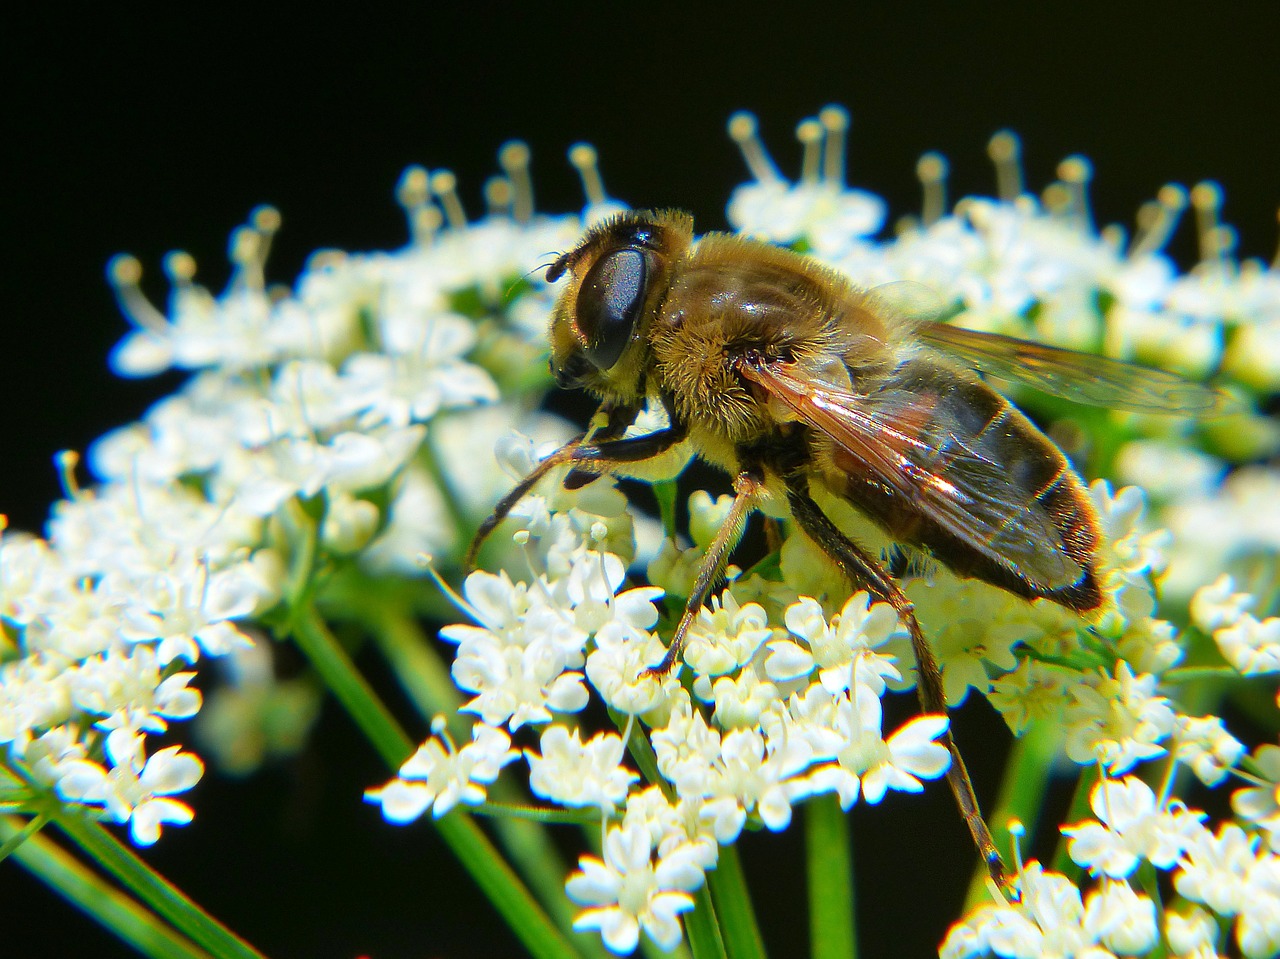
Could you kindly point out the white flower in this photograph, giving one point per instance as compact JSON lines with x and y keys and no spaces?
{"x":620,"y":669}
{"x":1217,"y":605}
{"x":868,"y":763}
{"x":575,"y":773}
{"x":125,"y":688}
{"x":1205,"y":745}
{"x":1050,"y":920}
{"x":1215,"y":869}
{"x":437,"y":777}
{"x":1118,"y":720}
{"x":189,"y":612}
{"x":844,"y":650}
{"x":1131,"y":828}
{"x":1260,"y":804}
{"x":136,"y":788}
{"x":1250,"y":645}
{"x":1194,"y":933}
{"x":725,"y":635}
{"x":517,"y":684}
{"x":627,"y":890}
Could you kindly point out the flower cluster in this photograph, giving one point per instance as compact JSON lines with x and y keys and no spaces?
{"x":322,"y":428}
{"x":332,"y":435}
{"x":777,"y":708}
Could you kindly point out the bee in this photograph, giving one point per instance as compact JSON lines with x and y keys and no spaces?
{"x":779,"y":370}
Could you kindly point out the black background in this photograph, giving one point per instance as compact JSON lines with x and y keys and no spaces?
{"x":146,"y":129}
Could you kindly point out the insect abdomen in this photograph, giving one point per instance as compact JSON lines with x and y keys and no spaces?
{"x":976,"y":434}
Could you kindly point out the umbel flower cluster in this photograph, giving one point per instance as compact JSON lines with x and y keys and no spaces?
{"x":334,"y":449}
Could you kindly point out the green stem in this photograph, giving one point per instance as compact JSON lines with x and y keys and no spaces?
{"x":1079,"y":809}
{"x":503,"y":888}
{"x":129,"y":921}
{"x":665,"y":493}
{"x":356,"y":696}
{"x":1026,"y":780}
{"x":425,"y":677}
{"x":1148,"y":882}
{"x":505,"y":811}
{"x":829,"y":863}
{"x":732,"y":899}
{"x":153,"y":889}
{"x":1194,"y":674}
{"x":17,"y":838}
{"x":499,"y":883}
{"x":703,"y":929}
{"x":422,"y":673}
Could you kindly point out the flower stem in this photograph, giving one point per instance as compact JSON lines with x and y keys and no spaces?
{"x":1026,"y":779}
{"x":703,"y":929}
{"x":829,"y":862}
{"x":478,"y":856}
{"x":1062,"y":861}
{"x":733,"y":905}
{"x":121,"y":915}
{"x":153,"y":889}
{"x":424,"y":676}
{"x":357,"y":698}
{"x":14,"y":838}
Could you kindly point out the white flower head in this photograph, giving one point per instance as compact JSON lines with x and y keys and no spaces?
{"x":574,"y":773}
{"x":1131,"y":827}
{"x":438,"y":777}
{"x":629,"y":889}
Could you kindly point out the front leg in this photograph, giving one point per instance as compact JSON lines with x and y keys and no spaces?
{"x":589,"y":457}
{"x":748,"y":490}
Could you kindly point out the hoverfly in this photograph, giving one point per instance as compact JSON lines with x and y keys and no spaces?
{"x":780,"y":371}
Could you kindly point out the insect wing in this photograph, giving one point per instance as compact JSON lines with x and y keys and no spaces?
{"x":896,"y":435}
{"x":1082,"y":377}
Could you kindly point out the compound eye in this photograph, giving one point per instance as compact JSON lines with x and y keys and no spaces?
{"x":609,"y":304}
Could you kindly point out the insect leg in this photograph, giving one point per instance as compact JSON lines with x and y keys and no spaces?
{"x":748,"y":487}
{"x":863,"y":570}
{"x":617,"y":419}
{"x":590,"y":457}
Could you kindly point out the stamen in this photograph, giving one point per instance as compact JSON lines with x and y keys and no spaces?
{"x":425,"y":224}
{"x":514,"y":159}
{"x":266,"y":221}
{"x":743,"y":131}
{"x":498,"y":195}
{"x":124,"y":273}
{"x":445,"y":186}
{"x":427,"y":562}
{"x":242,"y":251}
{"x":1005,"y":151}
{"x":1056,"y":199}
{"x":440,"y":729}
{"x":413,"y":193}
{"x":1016,"y":832}
{"x":1113,"y":236}
{"x":835,"y":120}
{"x":809,"y":132}
{"x":932,"y":171}
{"x":1275,"y":260}
{"x":1075,"y":172}
{"x":1206,"y":200}
{"x":584,"y":159}
{"x":414,"y":188}
{"x":180,"y":268}
{"x":65,"y":463}
{"x":1158,"y":220}
{"x":906,"y":225}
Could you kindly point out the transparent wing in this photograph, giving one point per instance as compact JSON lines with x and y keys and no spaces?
{"x":1082,"y":377}
{"x":900,"y":438}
